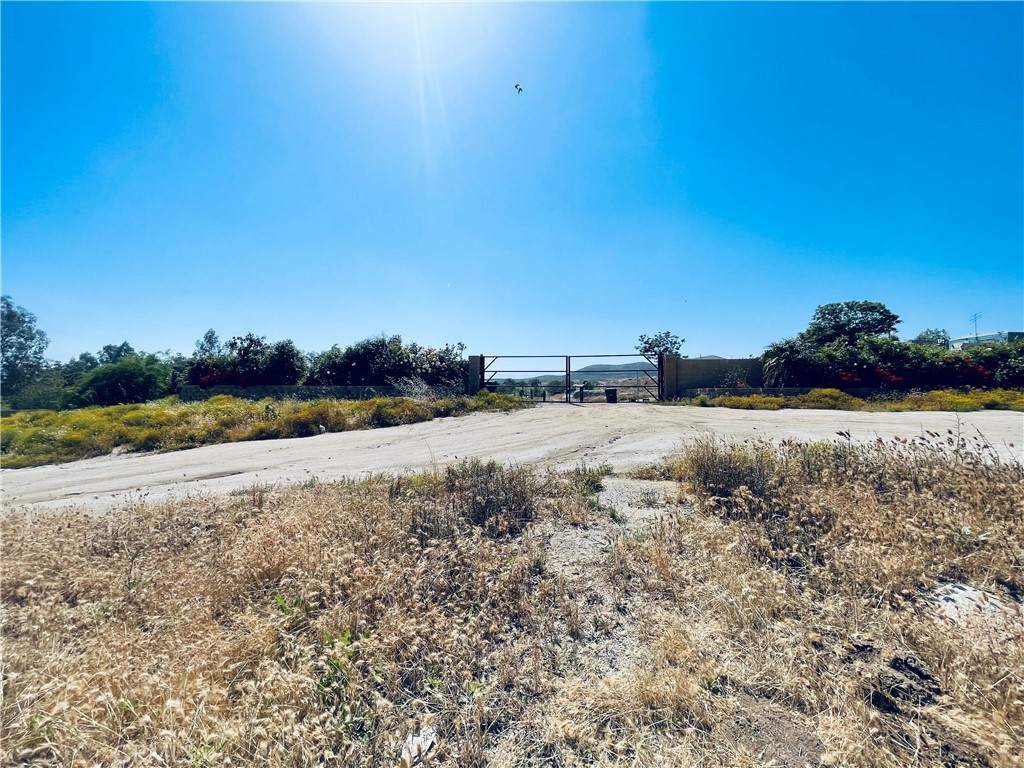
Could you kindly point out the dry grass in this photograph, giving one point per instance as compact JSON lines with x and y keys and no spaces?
{"x":833,"y":399}
{"x":31,"y":438}
{"x":804,"y":572}
{"x":278,"y":627}
{"x":772,"y":611}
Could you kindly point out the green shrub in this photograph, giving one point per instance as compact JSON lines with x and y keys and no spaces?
{"x":450,"y":406}
{"x":85,"y":443}
{"x":329,"y":414}
{"x":265,"y":430}
{"x":132,"y":379}
{"x":284,"y":364}
{"x":826,"y":398}
{"x":148,"y":440}
{"x":999,"y":399}
{"x":728,"y":472}
{"x":384,"y":360}
{"x":152,"y":418}
{"x":296,"y":423}
{"x":938,"y":400}
{"x":485,"y":400}
{"x":750,"y":402}
{"x":589,"y":480}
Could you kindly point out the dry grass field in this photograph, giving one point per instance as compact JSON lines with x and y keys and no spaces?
{"x":740,"y":604}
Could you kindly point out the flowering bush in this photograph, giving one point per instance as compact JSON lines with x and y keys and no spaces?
{"x":386,"y":360}
{"x":892,"y":364}
{"x":249,"y":361}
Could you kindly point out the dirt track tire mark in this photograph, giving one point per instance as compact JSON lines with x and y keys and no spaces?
{"x":551,"y":436}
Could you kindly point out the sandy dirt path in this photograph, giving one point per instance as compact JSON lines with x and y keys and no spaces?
{"x":551,"y":435}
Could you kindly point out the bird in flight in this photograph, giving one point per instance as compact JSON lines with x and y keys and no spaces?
{"x":519,"y":88}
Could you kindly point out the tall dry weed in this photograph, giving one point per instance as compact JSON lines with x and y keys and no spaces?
{"x":782,"y":612}
{"x":288,"y":627}
{"x":807,"y":571}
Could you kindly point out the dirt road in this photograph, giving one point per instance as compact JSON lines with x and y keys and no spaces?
{"x":552,"y":435}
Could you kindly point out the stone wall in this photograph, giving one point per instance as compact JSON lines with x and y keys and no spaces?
{"x":861,"y":392}
{"x":683,"y":374}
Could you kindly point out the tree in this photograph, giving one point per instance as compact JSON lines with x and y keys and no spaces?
{"x":652,"y":346}
{"x":932,"y":337}
{"x":209,"y":345}
{"x":111,"y":353}
{"x":76,"y":368}
{"x":21,"y":347}
{"x":378,"y":360}
{"x":328,"y":368}
{"x":285,"y":364}
{"x":783,"y":361}
{"x":849,"y":320}
{"x":42,"y":392}
{"x":250,"y":353}
{"x":179,"y":365}
{"x":132,"y":379}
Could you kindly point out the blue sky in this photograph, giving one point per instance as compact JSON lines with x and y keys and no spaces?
{"x":328,"y":172}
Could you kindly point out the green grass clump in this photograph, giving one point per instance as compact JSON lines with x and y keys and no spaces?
{"x":485,"y":400}
{"x":719,"y":470}
{"x":589,"y":480}
{"x":832,"y":399}
{"x":32,"y":438}
{"x":749,"y":402}
{"x":957,"y":400}
{"x":943,"y":400}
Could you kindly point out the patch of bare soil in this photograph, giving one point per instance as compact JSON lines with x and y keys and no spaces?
{"x":770,"y":734}
{"x":608,"y":621}
{"x":613,"y":625}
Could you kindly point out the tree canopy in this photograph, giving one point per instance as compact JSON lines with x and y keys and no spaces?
{"x":22,"y":345}
{"x":849,"y":320}
{"x":111,"y":353}
{"x":932,"y":337}
{"x":852,"y":344}
{"x":131,"y":379}
{"x":652,"y":346}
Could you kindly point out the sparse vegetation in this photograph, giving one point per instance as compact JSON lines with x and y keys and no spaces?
{"x":31,"y":438}
{"x":746,"y":402}
{"x":280,"y":627}
{"x":802,"y":575}
{"x":935,"y":400}
{"x":781,"y":610}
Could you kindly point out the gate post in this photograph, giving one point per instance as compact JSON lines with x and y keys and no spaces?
{"x":661,"y":376}
{"x":475,"y":374}
{"x":669,"y":376}
{"x":568,"y":380}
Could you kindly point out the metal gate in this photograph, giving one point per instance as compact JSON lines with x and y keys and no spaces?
{"x":565,"y":377}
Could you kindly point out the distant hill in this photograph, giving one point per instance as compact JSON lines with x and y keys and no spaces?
{"x":628,"y":371}
{"x":599,"y":372}
{"x":639,"y":364}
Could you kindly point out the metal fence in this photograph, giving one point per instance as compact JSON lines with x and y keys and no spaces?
{"x":560,"y":377}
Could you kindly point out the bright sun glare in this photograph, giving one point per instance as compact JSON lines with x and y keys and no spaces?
{"x":419,"y":52}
